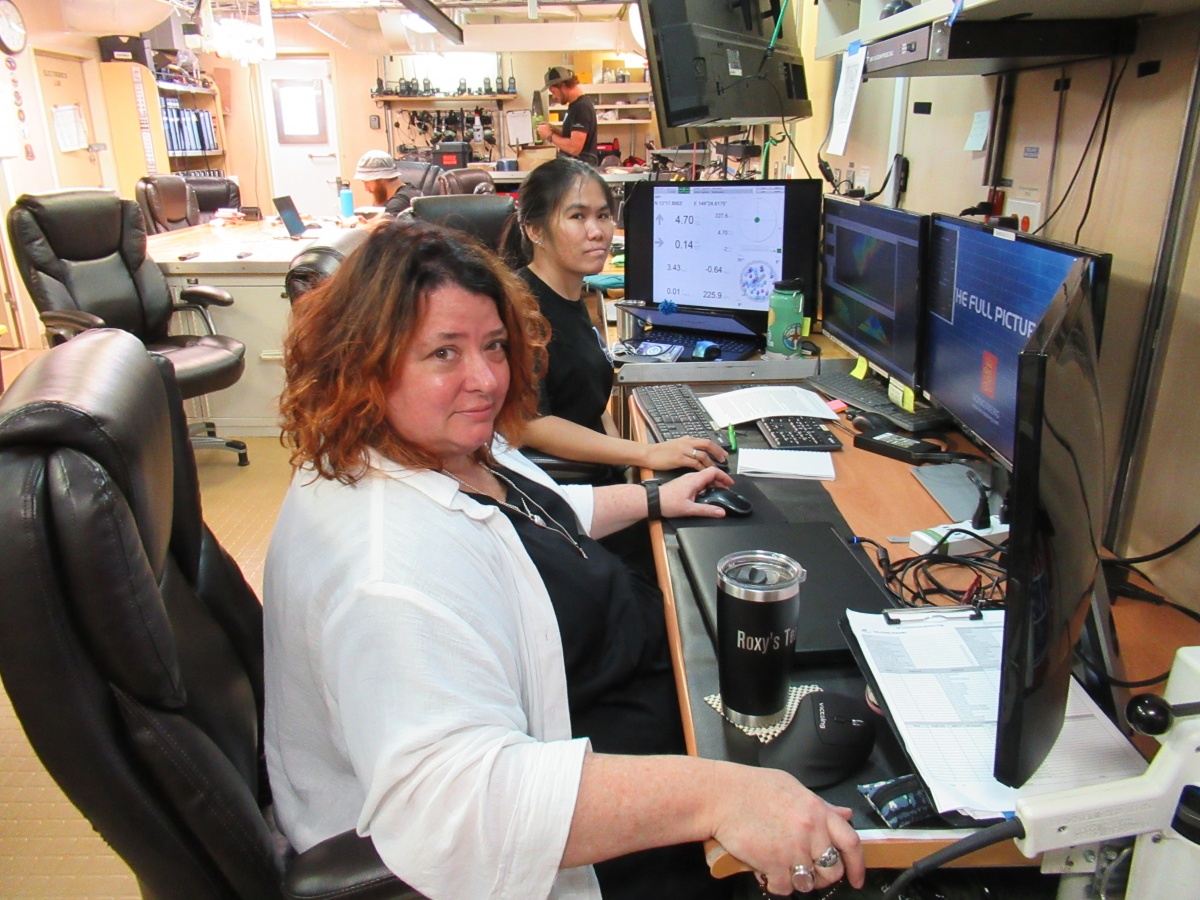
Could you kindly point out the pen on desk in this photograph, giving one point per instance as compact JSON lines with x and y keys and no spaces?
{"x":732,"y":439}
{"x":244,"y":254}
{"x":186,"y":256}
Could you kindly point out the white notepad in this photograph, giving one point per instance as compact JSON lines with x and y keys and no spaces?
{"x":747,"y":404}
{"x":785,"y":463}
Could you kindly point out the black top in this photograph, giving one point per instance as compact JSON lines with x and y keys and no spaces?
{"x":401,"y":200}
{"x":579,"y":379}
{"x":620,"y":686}
{"x":581,"y":116}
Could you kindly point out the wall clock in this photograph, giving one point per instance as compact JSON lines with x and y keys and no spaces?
{"x":12,"y":28}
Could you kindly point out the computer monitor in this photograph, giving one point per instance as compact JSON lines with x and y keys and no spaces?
{"x":289,"y":215}
{"x":986,"y":290}
{"x":873,"y":260}
{"x":718,"y":247}
{"x":1057,"y":509}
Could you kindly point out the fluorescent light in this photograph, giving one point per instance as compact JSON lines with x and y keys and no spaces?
{"x":442,"y":23}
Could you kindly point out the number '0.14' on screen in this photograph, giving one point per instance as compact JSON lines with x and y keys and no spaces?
{"x":718,"y":247}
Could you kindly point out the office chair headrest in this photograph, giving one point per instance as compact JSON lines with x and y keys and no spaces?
{"x":320,"y":260}
{"x":78,"y":224}
{"x":97,"y":408}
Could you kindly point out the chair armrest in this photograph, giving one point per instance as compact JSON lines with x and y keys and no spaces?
{"x":64,"y":324}
{"x":346,"y":867}
{"x":205,"y":295}
{"x":569,"y":471}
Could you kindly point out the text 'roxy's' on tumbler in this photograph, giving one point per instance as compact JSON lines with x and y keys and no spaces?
{"x":758,"y":607}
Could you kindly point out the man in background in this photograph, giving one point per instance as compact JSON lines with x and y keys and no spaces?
{"x":576,"y":134}
{"x":381,"y":177}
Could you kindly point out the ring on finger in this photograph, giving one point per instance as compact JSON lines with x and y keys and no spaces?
{"x":693,"y":453}
{"x":828,"y":859}
{"x":803,"y":879}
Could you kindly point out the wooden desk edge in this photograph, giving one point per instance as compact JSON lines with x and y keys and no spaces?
{"x":880,"y":853}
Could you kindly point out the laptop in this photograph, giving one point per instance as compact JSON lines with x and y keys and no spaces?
{"x":837,"y":580}
{"x":735,"y":333}
{"x":289,"y":215}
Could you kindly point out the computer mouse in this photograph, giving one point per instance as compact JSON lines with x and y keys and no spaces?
{"x":732,"y":502}
{"x":869,"y":421}
{"x":706,"y":350}
{"x":829,"y":739}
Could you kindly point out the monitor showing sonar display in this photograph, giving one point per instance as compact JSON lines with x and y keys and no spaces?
{"x":720,"y":246}
{"x":871,"y":284}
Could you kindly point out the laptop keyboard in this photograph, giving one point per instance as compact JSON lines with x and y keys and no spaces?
{"x":674,"y":411}
{"x":732,"y":347}
{"x":873,"y":398}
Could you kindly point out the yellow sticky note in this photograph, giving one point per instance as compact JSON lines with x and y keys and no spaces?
{"x":860,"y":368}
{"x":902,"y":396}
{"x":806,"y":328}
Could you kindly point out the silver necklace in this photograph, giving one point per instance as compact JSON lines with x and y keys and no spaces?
{"x":540,"y":518}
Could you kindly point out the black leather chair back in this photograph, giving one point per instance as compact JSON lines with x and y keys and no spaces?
{"x":168,"y":202}
{"x":483,"y":216}
{"x":320,"y":260}
{"x":213,"y":193}
{"x":421,"y":175}
{"x":130,"y":644}
{"x":86,"y":250}
{"x":466,"y":181}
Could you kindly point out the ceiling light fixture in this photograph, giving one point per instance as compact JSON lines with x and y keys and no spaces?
{"x":438,"y":19}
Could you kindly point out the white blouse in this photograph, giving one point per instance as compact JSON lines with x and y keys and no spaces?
{"x":415,"y":687}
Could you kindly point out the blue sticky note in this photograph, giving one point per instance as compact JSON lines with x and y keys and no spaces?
{"x":854,"y":47}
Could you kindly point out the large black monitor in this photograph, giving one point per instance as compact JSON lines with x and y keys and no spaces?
{"x":1057,"y":511}
{"x":987,"y":289}
{"x":719,"y":246}
{"x":712,"y":64}
{"x":872,"y":296}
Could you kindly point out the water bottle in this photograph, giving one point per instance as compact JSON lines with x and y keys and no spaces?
{"x":346,"y":198}
{"x":786,"y":323}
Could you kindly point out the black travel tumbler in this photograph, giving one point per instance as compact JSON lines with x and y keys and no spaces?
{"x":758,"y":605}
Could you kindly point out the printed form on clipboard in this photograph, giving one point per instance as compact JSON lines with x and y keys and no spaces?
{"x":940,"y":679}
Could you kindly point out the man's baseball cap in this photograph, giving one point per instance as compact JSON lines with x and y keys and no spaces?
{"x":559,"y":74}
{"x":376,"y":164}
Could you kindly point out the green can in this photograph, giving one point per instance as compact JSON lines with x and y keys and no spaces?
{"x":787,"y":325}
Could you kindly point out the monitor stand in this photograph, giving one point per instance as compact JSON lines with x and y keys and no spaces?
{"x":955,"y":493}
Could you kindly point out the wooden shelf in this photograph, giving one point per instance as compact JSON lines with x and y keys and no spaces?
{"x":461,"y":99}
{"x":186,"y":154}
{"x":174,"y":88}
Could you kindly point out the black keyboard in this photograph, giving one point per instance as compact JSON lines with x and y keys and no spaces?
{"x":871,"y":397}
{"x":798,"y":433}
{"x":673,"y":411}
{"x":732,"y":347}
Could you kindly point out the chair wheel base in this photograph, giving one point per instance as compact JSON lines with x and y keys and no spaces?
{"x":205,"y":442}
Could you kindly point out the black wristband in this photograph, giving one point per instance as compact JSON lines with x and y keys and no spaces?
{"x":653,"y":510}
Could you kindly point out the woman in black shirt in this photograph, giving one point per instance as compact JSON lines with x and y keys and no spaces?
{"x":561,"y":233}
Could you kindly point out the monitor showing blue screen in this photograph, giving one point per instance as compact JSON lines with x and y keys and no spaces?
{"x":986,"y":292}
{"x":871,"y":283}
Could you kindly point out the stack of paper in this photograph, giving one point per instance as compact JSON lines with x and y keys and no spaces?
{"x":748,"y":404}
{"x":785,"y":463}
{"x":940,"y":679}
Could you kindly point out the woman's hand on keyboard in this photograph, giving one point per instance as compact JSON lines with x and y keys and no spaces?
{"x":683,"y":453}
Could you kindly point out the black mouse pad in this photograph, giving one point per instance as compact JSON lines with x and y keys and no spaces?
{"x":836,"y":579}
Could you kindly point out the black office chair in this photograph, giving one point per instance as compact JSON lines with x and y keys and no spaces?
{"x":213,"y":193}
{"x":82,"y":255}
{"x":131,"y":646}
{"x":168,"y":203}
{"x":422,"y":176}
{"x":466,"y":181}
{"x":483,"y":216}
{"x":319,"y":260}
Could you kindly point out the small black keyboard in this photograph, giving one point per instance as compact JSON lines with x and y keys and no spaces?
{"x":798,"y":433}
{"x":674,"y":411}
{"x":871,"y":397}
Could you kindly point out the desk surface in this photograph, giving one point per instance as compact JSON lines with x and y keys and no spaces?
{"x":878,"y":497}
{"x":270,"y":247}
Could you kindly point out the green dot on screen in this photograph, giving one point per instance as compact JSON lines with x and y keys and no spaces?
{"x":757,"y":219}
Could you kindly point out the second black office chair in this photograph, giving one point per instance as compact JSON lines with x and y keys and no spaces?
{"x":82,"y":255}
{"x":131,"y":647}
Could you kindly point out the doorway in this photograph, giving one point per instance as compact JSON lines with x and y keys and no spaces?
{"x":64,"y":96}
{"x":302,"y":132}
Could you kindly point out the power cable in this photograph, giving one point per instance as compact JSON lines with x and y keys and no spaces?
{"x":1100,"y":150}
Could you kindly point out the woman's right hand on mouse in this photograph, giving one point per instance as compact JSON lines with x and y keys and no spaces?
{"x":683,"y":453}
{"x":677,"y":497}
{"x":772,"y":823}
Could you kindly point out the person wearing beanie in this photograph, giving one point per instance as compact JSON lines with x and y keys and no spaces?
{"x":381,"y":177}
{"x":576,"y":134}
